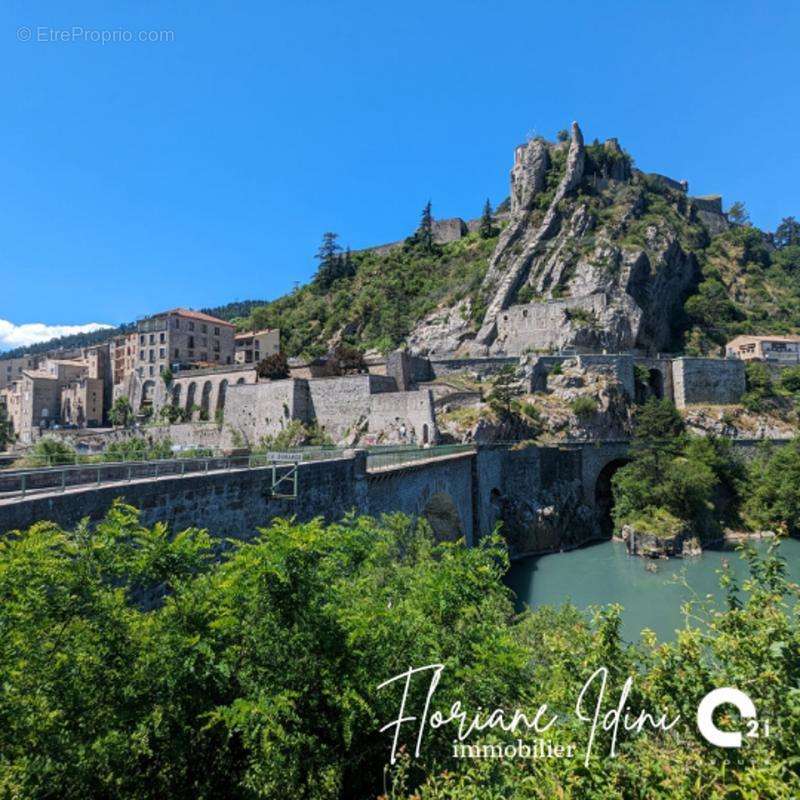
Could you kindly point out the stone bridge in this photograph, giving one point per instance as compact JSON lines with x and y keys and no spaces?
{"x":461,"y":494}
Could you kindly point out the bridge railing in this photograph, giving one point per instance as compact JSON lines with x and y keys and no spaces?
{"x":22,"y":483}
{"x":390,"y":457}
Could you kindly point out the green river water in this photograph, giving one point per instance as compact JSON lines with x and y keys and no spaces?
{"x":605,"y":573}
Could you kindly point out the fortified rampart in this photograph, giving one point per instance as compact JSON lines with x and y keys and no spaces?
{"x":707,"y":380}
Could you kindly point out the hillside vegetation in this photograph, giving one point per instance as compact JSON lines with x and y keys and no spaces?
{"x":380,"y":302}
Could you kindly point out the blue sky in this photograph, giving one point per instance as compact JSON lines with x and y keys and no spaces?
{"x":204,"y":168}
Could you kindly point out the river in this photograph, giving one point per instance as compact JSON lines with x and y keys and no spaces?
{"x":605,"y":573}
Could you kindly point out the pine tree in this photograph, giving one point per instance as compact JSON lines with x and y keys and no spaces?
{"x":424,"y":236}
{"x":737,"y":214}
{"x":504,"y":390}
{"x":486,"y":229}
{"x":788,"y":233}
{"x":329,"y":257}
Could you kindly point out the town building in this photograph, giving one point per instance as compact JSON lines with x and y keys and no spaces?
{"x":11,"y":369}
{"x":57,"y":392}
{"x":177,"y":339}
{"x":251,"y":347}
{"x":781,"y":349}
{"x":123,"y":357}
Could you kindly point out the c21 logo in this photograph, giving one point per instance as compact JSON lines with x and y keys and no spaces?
{"x":744,"y":705}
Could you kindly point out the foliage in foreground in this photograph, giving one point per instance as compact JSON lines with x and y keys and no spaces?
{"x":136,"y":664}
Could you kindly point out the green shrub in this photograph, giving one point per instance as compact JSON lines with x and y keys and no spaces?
{"x":138,"y":448}
{"x":50,"y":452}
{"x":790,"y":380}
{"x":584,"y":407}
{"x":262,"y":661}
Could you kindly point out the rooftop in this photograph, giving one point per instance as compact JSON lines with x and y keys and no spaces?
{"x":746,"y":337}
{"x":192,"y":314}
{"x":39,"y":374}
{"x":250,"y":334}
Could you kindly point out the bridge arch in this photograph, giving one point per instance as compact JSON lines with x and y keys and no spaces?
{"x":603,"y":494}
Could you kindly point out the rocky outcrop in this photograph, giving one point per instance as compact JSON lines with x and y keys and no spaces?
{"x":519,"y":242}
{"x":443,"y":330}
{"x":595,"y":255}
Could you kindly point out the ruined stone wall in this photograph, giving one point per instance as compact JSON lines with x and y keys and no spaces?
{"x":707,"y":380}
{"x":187,"y":435}
{"x":620,"y":365}
{"x":442,"y":367}
{"x":407,"y":369}
{"x":540,"y":326}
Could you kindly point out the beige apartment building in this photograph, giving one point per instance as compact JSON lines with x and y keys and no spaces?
{"x":780,"y":349}
{"x":251,"y":347}
{"x":178,"y":339}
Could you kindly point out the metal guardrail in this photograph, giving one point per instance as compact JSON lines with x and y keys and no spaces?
{"x":23,"y":483}
{"x":396,"y":458}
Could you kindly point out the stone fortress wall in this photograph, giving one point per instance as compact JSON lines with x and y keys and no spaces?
{"x":340,"y":407}
{"x":707,"y":380}
{"x":684,"y":380}
{"x":536,"y":326}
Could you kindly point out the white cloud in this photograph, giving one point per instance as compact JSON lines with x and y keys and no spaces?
{"x":12,"y":335}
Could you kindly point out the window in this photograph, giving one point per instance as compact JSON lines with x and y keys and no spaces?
{"x":152,"y":371}
{"x":162,"y":353}
{"x":204,"y":356}
{"x":191,"y":342}
{"x":191,"y":326}
{"x":141,"y":339}
{"x":216,"y":331}
{"x":141,"y":355}
{"x":177,"y":324}
{"x":162,"y":337}
{"x":177,"y":352}
{"x":204,"y":328}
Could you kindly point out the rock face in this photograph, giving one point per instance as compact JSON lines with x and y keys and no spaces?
{"x":594,"y":255}
{"x":520,"y":241}
{"x":442,"y":331}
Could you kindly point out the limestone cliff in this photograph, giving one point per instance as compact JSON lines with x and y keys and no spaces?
{"x":595,"y":255}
